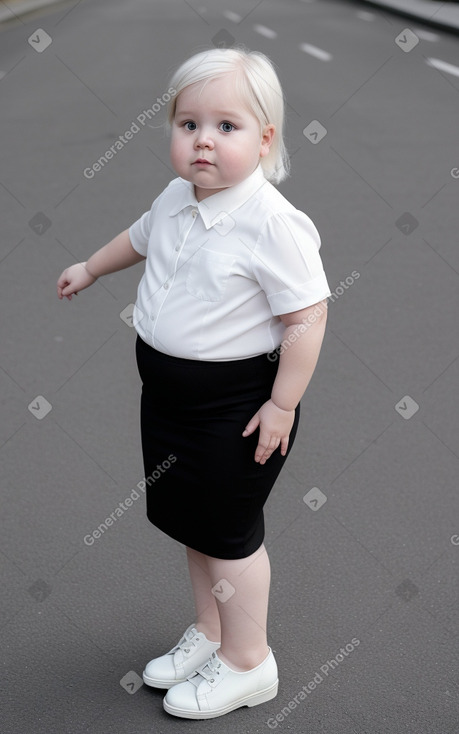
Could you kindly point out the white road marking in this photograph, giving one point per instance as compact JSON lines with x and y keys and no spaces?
{"x":235,"y":17}
{"x":426,"y":35}
{"x":365,"y":15}
{"x":318,"y":53}
{"x":264,"y":31}
{"x":443,"y":66}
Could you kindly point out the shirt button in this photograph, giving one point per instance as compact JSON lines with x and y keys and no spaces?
{"x":194,"y":212}
{"x":152,"y":316}
{"x":177,"y":248}
{"x":166,"y":286}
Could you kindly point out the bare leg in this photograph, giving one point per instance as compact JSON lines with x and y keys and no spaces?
{"x":207,"y":615}
{"x":244,"y":612}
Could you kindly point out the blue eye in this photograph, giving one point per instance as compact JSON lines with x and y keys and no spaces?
{"x":187,"y":124}
{"x":227,"y":127}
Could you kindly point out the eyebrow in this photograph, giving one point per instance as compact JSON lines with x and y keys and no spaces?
{"x":232,"y":115}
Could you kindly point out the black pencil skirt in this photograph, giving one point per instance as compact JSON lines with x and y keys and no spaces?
{"x":203,"y":485}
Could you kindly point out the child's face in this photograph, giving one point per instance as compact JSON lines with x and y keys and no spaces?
{"x":212,"y":125}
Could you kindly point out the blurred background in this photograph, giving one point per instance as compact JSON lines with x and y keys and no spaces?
{"x":362,"y":527}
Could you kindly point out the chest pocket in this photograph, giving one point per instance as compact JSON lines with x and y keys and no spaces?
{"x":208,"y":274}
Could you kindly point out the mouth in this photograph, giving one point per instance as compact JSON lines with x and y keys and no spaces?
{"x":202,"y":162}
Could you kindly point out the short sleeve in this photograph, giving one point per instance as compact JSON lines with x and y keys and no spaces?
{"x":287,"y":264}
{"x":139,"y":232}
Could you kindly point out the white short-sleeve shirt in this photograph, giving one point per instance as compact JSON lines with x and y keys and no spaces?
{"x":220,"y":271}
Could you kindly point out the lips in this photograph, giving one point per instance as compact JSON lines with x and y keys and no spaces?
{"x":203,"y":162}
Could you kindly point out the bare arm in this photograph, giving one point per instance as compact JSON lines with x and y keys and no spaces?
{"x":299,"y":352}
{"x":116,"y":255}
{"x":298,"y":357}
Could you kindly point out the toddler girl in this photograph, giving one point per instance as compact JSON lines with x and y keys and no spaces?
{"x":230,"y":317}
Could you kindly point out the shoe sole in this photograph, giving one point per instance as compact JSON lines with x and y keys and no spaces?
{"x":157,"y":683}
{"x":253,"y":700}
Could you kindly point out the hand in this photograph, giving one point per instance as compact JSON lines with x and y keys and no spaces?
{"x":275,"y":426}
{"x":74,"y":279}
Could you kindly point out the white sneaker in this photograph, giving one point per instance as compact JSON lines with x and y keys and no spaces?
{"x":190,"y":652}
{"x":215,"y":689}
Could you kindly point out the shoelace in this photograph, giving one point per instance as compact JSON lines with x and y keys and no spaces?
{"x":212,"y":669}
{"x":190,"y":641}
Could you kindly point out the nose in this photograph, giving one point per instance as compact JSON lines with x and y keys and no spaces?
{"x":204,"y":139}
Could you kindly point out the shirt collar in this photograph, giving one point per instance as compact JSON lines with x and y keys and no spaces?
{"x":217,"y":206}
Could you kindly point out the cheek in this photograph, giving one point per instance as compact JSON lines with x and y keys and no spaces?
{"x":237,"y":158}
{"x":177,"y":149}
{"x":242,"y":150}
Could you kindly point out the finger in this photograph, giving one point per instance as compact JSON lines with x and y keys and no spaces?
{"x":265,"y":449}
{"x":259,"y":453}
{"x":264,"y":456}
{"x":274,"y":443}
{"x":251,"y":425}
{"x":62,"y":280}
{"x":69,"y":291}
{"x":284,"y":445}
{"x":262,"y":447}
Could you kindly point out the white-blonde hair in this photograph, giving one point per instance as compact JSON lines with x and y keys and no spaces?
{"x":258,"y":87}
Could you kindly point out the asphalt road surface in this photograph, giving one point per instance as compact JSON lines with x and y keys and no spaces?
{"x":363,"y":524}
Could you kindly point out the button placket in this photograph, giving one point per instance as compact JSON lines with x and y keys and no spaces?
{"x":182,"y":241}
{"x":183,"y":236}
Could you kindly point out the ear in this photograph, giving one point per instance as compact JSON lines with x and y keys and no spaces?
{"x":266,"y":139}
